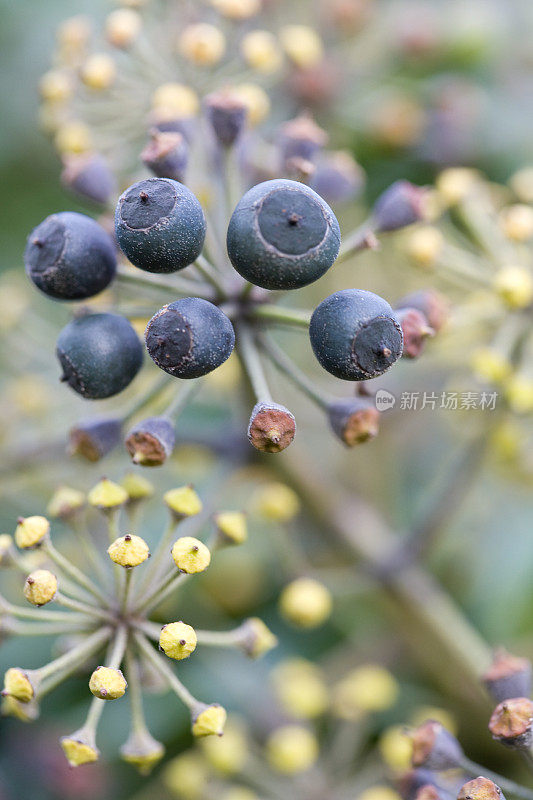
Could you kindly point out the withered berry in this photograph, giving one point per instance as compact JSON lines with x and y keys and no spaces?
{"x":151,"y":441}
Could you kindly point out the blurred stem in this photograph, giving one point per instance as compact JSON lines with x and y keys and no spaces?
{"x":282,"y":316}
{"x":252,"y":365}
{"x":138,"y":722}
{"x":75,"y":605}
{"x":176,"y":286}
{"x":362,"y":238}
{"x":70,"y":569}
{"x":282,"y":361}
{"x":154,"y":567}
{"x":152,"y":393}
{"x":77,"y":655}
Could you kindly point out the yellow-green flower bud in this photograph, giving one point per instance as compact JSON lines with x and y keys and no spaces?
{"x":519,"y":394}
{"x":292,"y":749}
{"x":515,"y":286}
{"x":261,"y":52}
{"x":175,"y":101}
{"x":208,"y":720}
{"x":6,"y":550}
{"x":80,"y":748}
{"x":99,"y":71}
{"x":31,"y":532}
{"x":107,"y":683}
{"x":55,"y":86}
{"x":396,"y":748}
{"x":455,"y":184}
{"x":255,"y":99}
{"x":380,"y":792}
{"x":202,"y":44}
{"x":183,"y":502}
{"x":74,"y":32}
{"x":17,"y":684}
{"x":237,"y":9}
{"x":227,"y":753}
{"x":177,"y":640}
{"x":142,"y":751}
{"x":186,"y":776}
{"x":301,"y":688}
{"x":517,"y":222}
{"x":137,"y":487}
{"x":424,"y":245}
{"x":232,"y":527}
{"x":239,"y":793}
{"x":277,"y":502}
{"x":364,"y":690}
{"x":522,"y":184}
{"x":25,"y":712}
{"x":302,"y":45}
{"x":107,"y":495}
{"x":190,"y":555}
{"x":40,"y":587}
{"x":306,"y":603}
{"x":122,"y":27}
{"x":489,"y":365}
{"x":128,"y":551}
{"x":65,"y":502}
{"x":257,"y":638}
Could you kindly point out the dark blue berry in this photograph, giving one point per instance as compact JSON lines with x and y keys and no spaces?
{"x":151,"y":441}
{"x":355,"y":335}
{"x":282,"y":235}
{"x":160,"y":225}
{"x":95,"y":438}
{"x":100,"y":355}
{"x":90,"y":178}
{"x":226,"y":114}
{"x":189,"y":338}
{"x":69,"y":256}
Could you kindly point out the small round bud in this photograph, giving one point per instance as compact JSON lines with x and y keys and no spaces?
{"x":100,"y":355}
{"x":107,"y":495}
{"x":40,"y":587}
{"x":282,"y":235}
{"x":301,"y":688}
{"x":456,"y":183}
{"x":73,"y":137}
{"x":151,"y":441}
{"x":277,"y":502}
{"x":239,"y":793}
{"x":89,"y":177}
{"x":301,"y":138}
{"x":424,"y":245}
{"x":515,"y":286}
{"x":517,"y":222}
{"x":189,"y":338}
{"x":508,"y":677}
{"x":190,"y":555}
{"x":94,"y":438}
{"x":17,"y":684}
{"x":257,"y":639}
{"x":519,"y":393}
{"x":306,"y":603}
{"x":31,"y":532}
{"x":396,"y":748}
{"x":302,"y":45}
{"x":364,"y":690}
{"x":186,"y":775}
{"x":137,"y":487}
{"x":511,"y":722}
{"x":175,"y":101}
{"x":226,"y":113}
{"x":128,"y":551}
{"x":160,"y":225}
{"x":209,"y":720}
{"x":415,"y":331}
{"x":183,"y":502}
{"x":65,"y":503}
{"x":256,"y":101}
{"x":490,"y":365}
{"x":522,"y":184}
{"x":480,"y":789}
{"x":99,"y":71}
{"x":142,"y":751}
{"x":433,"y":305}
{"x":355,"y":335}
{"x":25,"y":712}
{"x":107,"y":683}
{"x":74,"y":32}
{"x":231,"y":526}
{"x":228,"y":753}
{"x":272,"y":427}
{"x":202,"y":44}
{"x":260,"y":51}
{"x":69,"y":256}
{"x":6,"y":550}
{"x":292,"y":749}
{"x":354,"y":420}
{"x":237,"y":9}
{"x":400,"y":205}
{"x":55,"y":86}
{"x":177,"y":640}
{"x":435,"y":748}
{"x":166,"y":154}
{"x":80,"y":748}
{"x":122,"y":27}
{"x":379,"y":793}
{"x":338,"y":178}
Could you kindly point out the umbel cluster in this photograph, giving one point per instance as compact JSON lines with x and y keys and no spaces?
{"x":281,"y":236}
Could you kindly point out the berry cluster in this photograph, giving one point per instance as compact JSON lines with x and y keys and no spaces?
{"x":281,"y":236}
{"x":108,"y":604}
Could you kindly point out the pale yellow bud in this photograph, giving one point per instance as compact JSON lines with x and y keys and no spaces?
{"x":305,"y":602}
{"x":107,"y":683}
{"x":186,"y":776}
{"x":227,"y":753}
{"x":490,"y":365}
{"x":522,"y":184}
{"x":239,"y":793}
{"x":80,"y":748}
{"x":257,"y":638}
{"x":396,"y":747}
{"x":456,"y":183}
{"x":98,"y":71}
{"x":31,"y":532}
{"x":74,"y":32}
{"x":40,"y":587}
{"x":6,"y":550}
{"x":380,"y":792}
{"x":302,"y":45}
{"x":232,"y":526}
{"x":256,"y":101}
{"x":142,"y":751}
{"x":56,"y":86}
{"x":301,"y":688}
{"x":423,"y":713}
{"x":25,"y":712}
{"x":183,"y":502}
{"x":73,"y":137}
{"x":65,"y":502}
{"x":277,"y":502}
{"x":122,"y":27}
{"x":515,"y":286}
{"x":237,"y":9}
{"x":519,"y":393}
{"x":209,"y":721}
{"x":424,"y":246}
{"x":517,"y":222}
{"x":364,"y":690}
{"x":128,"y":551}
{"x":17,"y":684}
{"x":137,"y":487}
{"x":203,"y":44}
{"x":261,"y":52}
{"x":292,"y":749}
{"x":107,"y":495}
{"x":177,"y":640}
{"x":175,"y":101}
{"x":190,"y":555}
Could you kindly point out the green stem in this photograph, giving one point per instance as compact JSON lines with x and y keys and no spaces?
{"x":168,"y":585}
{"x":78,"y":655}
{"x":209,"y":273}
{"x":176,"y":286}
{"x":252,"y":365}
{"x":88,"y":610}
{"x":50,"y":629}
{"x":70,"y":569}
{"x":43,"y":614}
{"x":138,"y":722}
{"x":289,"y":368}
{"x":147,"y":398}
{"x":183,"y":398}
{"x":162,"y":550}
{"x":280,"y":315}
{"x":361,"y":238}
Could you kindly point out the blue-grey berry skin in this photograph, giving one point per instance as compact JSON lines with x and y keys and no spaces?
{"x":282,"y":235}
{"x":160,"y":225}
{"x":90,"y":178}
{"x":355,"y":335}
{"x":94,"y":438}
{"x":151,"y":441}
{"x":100,"y":355}
{"x":69,"y":256}
{"x":189,"y":338}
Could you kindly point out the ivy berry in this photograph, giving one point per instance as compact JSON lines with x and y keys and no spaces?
{"x":355,"y":335}
{"x":189,"y":338}
{"x":282,"y":235}
{"x":160,"y":225}
{"x":69,"y":256}
{"x":100,"y":354}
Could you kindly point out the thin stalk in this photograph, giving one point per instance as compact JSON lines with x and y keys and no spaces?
{"x":282,"y":361}
{"x":162,"y":550}
{"x":252,"y":365}
{"x":83,"y":535}
{"x":362,"y":238}
{"x":176,"y":286}
{"x":88,"y":610}
{"x":41,"y":614}
{"x":504,"y":783}
{"x":209,"y":273}
{"x":183,"y":398}
{"x":168,"y":585}
{"x":126,"y":590}
{"x":50,"y":629}
{"x":138,"y":722}
{"x":147,"y":398}
{"x":280,"y":315}
{"x":77,"y":655}
{"x":163,"y":668}
{"x":70,"y":569}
